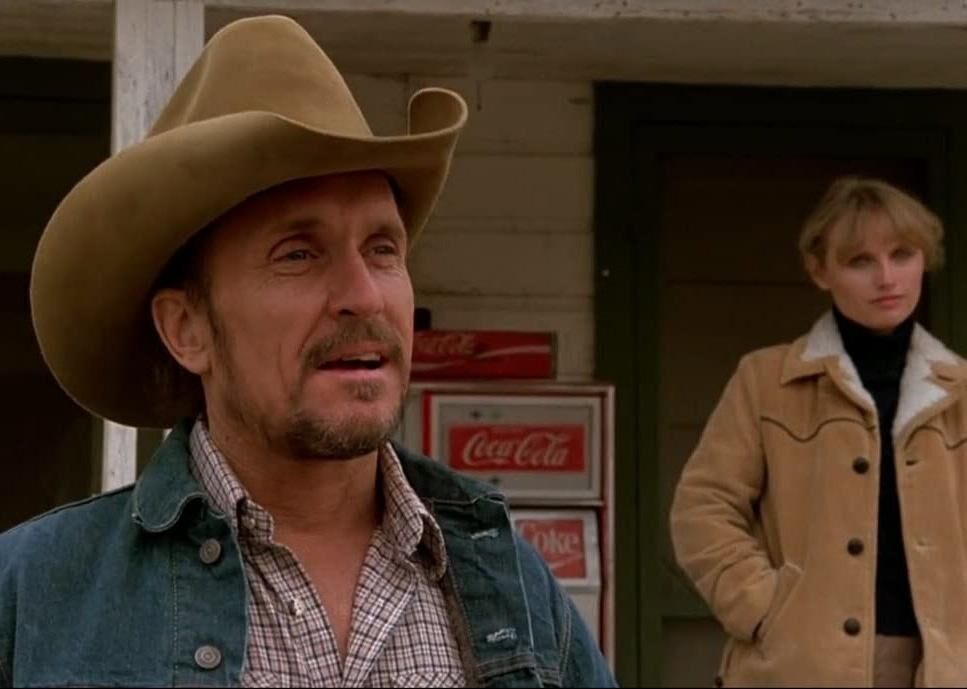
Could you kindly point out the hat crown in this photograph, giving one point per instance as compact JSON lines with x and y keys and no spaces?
{"x":266,"y":64}
{"x":262,"y":105}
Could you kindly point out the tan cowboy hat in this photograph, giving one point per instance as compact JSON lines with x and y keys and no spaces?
{"x":262,"y":105}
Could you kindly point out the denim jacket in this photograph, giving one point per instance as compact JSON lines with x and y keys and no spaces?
{"x":113,"y":591}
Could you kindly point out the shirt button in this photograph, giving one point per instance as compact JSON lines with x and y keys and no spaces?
{"x":296,"y":608}
{"x":208,"y":657}
{"x":210,"y":551}
{"x":852,"y":626}
{"x":855,"y":546}
{"x":861,"y":465}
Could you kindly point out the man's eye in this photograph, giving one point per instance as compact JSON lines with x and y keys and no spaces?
{"x":858,"y":261}
{"x":385,"y":250}
{"x":297,"y":255}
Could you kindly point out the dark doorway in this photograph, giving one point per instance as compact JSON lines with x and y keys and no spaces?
{"x":54,"y":127}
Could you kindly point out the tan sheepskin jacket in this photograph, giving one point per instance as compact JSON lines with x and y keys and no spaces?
{"x":775,"y":516}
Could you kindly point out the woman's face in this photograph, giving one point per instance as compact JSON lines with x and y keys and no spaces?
{"x":876,"y":283}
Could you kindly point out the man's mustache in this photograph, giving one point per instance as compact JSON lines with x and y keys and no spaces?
{"x":351,"y":333}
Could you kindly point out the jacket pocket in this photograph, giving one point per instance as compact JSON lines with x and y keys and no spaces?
{"x":788,"y":577}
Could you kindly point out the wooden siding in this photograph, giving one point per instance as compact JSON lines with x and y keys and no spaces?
{"x":510,"y":243}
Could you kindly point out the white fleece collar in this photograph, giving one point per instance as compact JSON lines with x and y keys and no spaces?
{"x":918,"y":390}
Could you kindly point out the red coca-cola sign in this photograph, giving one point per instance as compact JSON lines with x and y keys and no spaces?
{"x":449,"y":354}
{"x":537,"y":447}
{"x":560,"y":542}
{"x":443,"y":345}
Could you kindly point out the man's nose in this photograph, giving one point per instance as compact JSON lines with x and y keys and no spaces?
{"x":354,"y":291}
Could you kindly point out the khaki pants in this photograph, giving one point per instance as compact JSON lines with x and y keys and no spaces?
{"x":896,"y":661}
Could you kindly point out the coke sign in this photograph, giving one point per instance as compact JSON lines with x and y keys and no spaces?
{"x":449,"y":354}
{"x":539,"y":448}
{"x":433,"y":346}
{"x":560,"y":542}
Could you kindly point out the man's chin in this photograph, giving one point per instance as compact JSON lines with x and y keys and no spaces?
{"x":356,"y":429}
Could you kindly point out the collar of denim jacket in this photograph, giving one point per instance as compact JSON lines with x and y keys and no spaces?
{"x":166,"y":488}
{"x":435,"y":482}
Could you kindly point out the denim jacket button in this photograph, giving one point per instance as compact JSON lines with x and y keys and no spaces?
{"x":210,"y":551}
{"x":208,"y":657}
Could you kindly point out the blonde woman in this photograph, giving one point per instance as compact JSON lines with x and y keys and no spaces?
{"x":823,"y":514}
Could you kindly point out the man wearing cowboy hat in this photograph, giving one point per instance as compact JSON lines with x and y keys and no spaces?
{"x":241,"y":275}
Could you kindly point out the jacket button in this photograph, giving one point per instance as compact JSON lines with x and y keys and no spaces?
{"x":852,"y":626}
{"x":210,"y":551}
{"x":208,"y":657}
{"x":719,"y":682}
{"x":861,"y":465}
{"x":855,"y":546}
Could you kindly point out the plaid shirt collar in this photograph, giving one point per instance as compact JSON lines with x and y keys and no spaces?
{"x":406,"y":521}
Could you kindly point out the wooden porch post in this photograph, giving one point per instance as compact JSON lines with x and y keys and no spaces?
{"x":155,"y":42}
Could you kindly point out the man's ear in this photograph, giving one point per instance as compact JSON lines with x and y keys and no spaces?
{"x":817,"y":271}
{"x":183,"y":328}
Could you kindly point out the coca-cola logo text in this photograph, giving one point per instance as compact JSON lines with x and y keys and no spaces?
{"x":444,"y":345}
{"x":560,"y":542}
{"x":518,"y":448}
{"x":458,"y":354}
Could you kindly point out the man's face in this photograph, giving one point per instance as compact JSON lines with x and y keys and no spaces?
{"x":310,"y":308}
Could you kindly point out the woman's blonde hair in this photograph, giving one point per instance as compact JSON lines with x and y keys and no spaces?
{"x":849,"y":200}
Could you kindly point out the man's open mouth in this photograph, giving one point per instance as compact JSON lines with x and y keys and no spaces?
{"x":358,"y":362}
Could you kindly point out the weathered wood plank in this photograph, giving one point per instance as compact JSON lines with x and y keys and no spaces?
{"x":518,"y":117}
{"x":806,"y":11}
{"x":512,"y":189}
{"x":155,"y":42}
{"x":382,"y":100}
{"x":504,"y":264}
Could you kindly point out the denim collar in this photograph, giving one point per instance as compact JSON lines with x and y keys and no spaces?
{"x":435,"y":483}
{"x":167,"y":487}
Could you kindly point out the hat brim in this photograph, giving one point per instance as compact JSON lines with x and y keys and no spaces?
{"x":109,"y":239}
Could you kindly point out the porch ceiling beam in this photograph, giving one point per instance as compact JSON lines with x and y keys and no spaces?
{"x":891,"y":12}
{"x":871,"y":12}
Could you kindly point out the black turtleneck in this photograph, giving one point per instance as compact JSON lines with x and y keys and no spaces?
{"x":879,"y":360}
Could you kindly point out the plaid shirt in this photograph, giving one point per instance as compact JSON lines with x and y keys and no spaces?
{"x":400,"y":633}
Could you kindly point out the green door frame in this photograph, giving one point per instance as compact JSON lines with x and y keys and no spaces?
{"x":635,"y":124}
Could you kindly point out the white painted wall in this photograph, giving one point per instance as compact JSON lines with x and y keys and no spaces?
{"x":510,"y":244}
